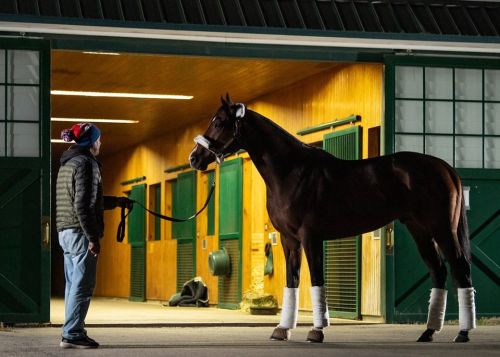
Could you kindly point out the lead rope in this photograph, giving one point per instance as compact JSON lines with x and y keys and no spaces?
{"x":219,"y":158}
{"x":120,"y":234}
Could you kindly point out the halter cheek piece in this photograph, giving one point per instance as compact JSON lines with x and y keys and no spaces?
{"x":209,"y":144}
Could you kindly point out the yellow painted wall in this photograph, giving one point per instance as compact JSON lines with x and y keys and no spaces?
{"x":211,"y":240}
{"x":334,"y":94}
{"x":150,"y":160}
{"x":345,"y":90}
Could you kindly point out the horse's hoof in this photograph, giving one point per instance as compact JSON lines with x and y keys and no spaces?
{"x":426,"y":336}
{"x":280,"y":334}
{"x":463,"y":336}
{"x":315,"y":336}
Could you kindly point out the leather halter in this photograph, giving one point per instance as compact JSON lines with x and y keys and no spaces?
{"x":211,"y":145}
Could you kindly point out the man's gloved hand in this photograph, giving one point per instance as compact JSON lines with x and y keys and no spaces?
{"x":124,"y":202}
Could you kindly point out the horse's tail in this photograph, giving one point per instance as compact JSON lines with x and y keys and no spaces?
{"x":460,"y":213}
{"x":463,"y":229}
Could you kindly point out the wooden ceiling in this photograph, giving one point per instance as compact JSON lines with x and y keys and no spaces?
{"x":205,"y":78}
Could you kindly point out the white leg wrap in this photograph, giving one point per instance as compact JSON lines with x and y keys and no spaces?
{"x":466,"y":309}
{"x":437,"y":309}
{"x":289,"y":308}
{"x":320,"y":308}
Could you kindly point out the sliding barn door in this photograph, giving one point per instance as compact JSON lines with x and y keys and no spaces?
{"x":24,"y":180}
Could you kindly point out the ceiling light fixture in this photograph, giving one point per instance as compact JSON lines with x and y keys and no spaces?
{"x":121,"y":95}
{"x":85,"y":120}
{"x":101,"y":53}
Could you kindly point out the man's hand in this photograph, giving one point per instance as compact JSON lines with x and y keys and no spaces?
{"x":95,"y":248}
{"x":124,"y":202}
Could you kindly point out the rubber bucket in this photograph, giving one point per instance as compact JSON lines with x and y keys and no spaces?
{"x":219,"y":263}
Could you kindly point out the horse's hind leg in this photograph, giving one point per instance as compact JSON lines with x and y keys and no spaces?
{"x":437,"y":303}
{"x":290,"y":305}
{"x":461,"y":272}
{"x":314,"y":254}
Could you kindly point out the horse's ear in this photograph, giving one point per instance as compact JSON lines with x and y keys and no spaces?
{"x":228,"y":99}
{"x":225,"y":105}
{"x":239,"y":109}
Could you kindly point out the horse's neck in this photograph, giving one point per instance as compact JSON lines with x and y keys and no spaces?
{"x":272,"y":150}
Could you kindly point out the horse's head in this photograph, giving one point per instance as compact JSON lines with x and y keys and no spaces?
{"x":220,"y":139}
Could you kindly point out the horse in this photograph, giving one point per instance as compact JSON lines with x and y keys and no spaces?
{"x":313,"y":196}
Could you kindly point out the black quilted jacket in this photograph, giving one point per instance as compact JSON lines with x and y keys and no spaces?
{"x":79,"y":199}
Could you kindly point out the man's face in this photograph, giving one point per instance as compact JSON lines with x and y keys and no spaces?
{"x":95,"y":148}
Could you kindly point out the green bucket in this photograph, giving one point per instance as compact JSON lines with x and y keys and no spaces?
{"x":219,"y":263}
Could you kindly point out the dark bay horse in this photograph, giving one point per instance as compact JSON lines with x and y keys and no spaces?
{"x":313,"y":196}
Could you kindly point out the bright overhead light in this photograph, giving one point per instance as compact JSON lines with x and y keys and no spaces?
{"x":101,"y":53}
{"x":121,"y":95}
{"x":85,"y":120}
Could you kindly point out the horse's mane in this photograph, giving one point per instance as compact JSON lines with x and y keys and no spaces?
{"x":278,"y":129}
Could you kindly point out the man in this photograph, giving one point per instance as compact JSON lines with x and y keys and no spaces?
{"x":80,"y":204}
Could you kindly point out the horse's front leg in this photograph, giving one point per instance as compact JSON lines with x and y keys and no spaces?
{"x":321,"y":318}
{"x":290,"y":304}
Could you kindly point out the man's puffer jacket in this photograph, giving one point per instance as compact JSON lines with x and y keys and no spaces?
{"x":79,"y":198}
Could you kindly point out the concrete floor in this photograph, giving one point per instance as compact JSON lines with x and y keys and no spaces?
{"x":121,"y":312}
{"x":126,"y":328}
{"x":340,"y":341}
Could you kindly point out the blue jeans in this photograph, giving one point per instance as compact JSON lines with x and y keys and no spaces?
{"x":80,"y":268}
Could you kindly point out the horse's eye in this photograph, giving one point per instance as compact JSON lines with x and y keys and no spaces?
{"x":218,"y":124}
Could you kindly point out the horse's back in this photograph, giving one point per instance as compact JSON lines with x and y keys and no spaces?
{"x":427,"y":171}
{"x":401,"y":186}
{"x":435,"y":190}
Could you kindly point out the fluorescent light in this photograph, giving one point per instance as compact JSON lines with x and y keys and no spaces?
{"x":101,"y":53}
{"x":85,"y":120}
{"x":60,"y":141}
{"x":121,"y":95}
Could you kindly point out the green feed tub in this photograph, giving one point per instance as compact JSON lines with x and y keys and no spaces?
{"x":219,"y":263}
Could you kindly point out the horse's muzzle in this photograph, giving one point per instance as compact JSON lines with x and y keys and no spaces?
{"x":196,"y":162}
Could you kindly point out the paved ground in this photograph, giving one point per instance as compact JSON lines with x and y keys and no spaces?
{"x":343,"y":340}
{"x":149,"y":329}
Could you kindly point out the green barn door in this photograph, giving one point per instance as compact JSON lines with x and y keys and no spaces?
{"x":342,"y":256}
{"x":230,"y":230}
{"x":183,"y":206}
{"x":24,"y":180}
{"x":447,"y":108}
{"x":484,"y":229}
{"x":137,"y":241}
{"x":411,"y":277}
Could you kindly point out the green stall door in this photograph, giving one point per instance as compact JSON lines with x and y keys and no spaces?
{"x":137,"y":241}
{"x":342,"y":262}
{"x":230,"y":230}
{"x":184,"y":206}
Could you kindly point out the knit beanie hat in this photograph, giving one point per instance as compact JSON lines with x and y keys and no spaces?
{"x":84,"y":134}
